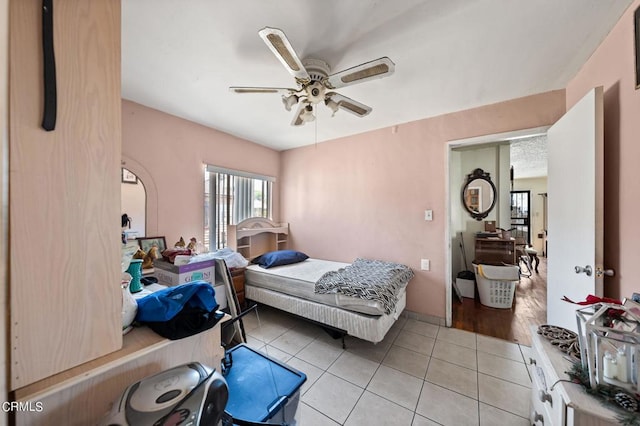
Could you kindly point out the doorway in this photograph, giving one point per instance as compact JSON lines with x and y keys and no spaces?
{"x":519,"y":209}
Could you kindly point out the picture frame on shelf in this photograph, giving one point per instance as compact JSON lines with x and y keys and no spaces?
{"x":129,"y":177}
{"x":146,"y":243}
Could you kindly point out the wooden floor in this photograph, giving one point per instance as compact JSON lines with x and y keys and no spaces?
{"x":530,"y":307}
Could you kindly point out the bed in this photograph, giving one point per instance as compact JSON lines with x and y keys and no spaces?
{"x":292,"y":287}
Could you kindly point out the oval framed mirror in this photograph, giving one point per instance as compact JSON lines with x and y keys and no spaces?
{"x":479,"y":194}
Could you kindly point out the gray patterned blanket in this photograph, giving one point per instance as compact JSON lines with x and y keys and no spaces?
{"x":368,"y":279}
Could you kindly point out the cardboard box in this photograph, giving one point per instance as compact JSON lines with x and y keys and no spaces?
{"x":171,"y":275}
{"x":221,"y":295}
{"x":467,"y":287}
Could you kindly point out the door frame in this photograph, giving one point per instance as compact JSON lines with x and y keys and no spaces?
{"x":449,"y":196}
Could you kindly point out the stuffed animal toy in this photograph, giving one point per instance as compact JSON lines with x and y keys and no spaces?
{"x":180,"y":243}
{"x":140,"y":254}
{"x":147,"y":262}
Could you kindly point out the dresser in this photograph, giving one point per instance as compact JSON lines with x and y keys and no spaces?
{"x":495,"y":251}
{"x":237,"y":274}
{"x":560,"y":403}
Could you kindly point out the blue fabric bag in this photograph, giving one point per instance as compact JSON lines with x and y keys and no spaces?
{"x":180,"y":311}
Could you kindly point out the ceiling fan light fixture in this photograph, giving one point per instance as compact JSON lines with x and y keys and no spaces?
{"x":314,"y":82}
{"x":307,"y":114}
{"x":332,"y":105}
{"x":289,"y":101}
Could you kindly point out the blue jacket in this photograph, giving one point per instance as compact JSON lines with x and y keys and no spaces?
{"x":165,"y":304}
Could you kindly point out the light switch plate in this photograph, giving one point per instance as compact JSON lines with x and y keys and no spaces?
{"x":425,"y":264}
{"x":428,"y":215}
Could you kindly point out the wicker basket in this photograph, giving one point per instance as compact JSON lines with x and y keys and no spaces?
{"x":495,"y":293}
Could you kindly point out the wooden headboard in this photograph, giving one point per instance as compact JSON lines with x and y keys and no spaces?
{"x":257,"y":235}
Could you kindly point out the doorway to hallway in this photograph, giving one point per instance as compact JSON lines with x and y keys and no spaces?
{"x":529,"y":307}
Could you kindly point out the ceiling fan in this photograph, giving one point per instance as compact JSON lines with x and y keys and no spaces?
{"x":315,"y":84}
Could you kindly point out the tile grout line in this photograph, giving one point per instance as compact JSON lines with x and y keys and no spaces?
{"x":387,"y":350}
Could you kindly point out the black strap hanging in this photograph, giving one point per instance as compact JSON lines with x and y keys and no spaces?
{"x":50,"y":101}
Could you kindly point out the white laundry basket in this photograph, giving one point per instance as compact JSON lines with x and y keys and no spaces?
{"x":496,"y":284}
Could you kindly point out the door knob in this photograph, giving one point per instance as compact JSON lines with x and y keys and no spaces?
{"x":587,"y":270}
{"x":608,"y":272}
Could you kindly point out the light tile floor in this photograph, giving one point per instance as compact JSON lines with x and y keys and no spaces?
{"x":420,"y":374}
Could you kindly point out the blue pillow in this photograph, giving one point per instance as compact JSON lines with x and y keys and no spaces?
{"x":280,"y":257}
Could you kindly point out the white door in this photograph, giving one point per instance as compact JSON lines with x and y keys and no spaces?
{"x":575,"y":210}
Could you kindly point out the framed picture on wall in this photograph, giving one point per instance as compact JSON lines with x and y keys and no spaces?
{"x":128,"y":177}
{"x":146,"y":243}
{"x":636,"y":28}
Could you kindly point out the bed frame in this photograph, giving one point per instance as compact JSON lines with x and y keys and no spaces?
{"x":255,"y":236}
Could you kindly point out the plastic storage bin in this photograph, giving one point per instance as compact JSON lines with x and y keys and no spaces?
{"x":262,"y":389}
{"x":497,"y":284}
{"x":467,"y":288}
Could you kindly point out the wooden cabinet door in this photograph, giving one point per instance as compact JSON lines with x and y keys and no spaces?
{"x":64,"y":201}
{"x":238,"y":284}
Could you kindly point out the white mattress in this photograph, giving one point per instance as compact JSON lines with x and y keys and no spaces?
{"x":367,"y":327}
{"x":298,"y":280}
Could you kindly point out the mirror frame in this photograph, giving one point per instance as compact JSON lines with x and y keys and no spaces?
{"x":479,"y":174}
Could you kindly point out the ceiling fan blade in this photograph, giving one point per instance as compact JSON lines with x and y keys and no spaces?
{"x":348,"y":104}
{"x":280,"y":46}
{"x":280,"y":90}
{"x":379,"y":68}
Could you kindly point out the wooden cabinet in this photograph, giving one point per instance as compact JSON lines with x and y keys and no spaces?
{"x":495,"y":251}
{"x":560,"y":403}
{"x":238,"y":283}
{"x":64,"y":186}
{"x":255,"y":236}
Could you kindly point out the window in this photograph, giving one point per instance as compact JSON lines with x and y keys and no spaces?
{"x":231,"y":196}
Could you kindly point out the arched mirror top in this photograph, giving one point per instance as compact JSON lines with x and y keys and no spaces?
{"x":479,"y":194}
{"x":133,"y":202}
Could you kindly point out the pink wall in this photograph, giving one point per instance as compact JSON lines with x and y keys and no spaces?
{"x":612,"y":66}
{"x":172,"y":151}
{"x":365,"y":195}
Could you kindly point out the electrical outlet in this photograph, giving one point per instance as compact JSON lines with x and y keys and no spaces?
{"x":425,"y":264}
{"x":428,"y":215}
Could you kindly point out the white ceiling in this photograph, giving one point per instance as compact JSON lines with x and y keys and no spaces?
{"x":180,"y":57}
{"x":529,"y":157}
